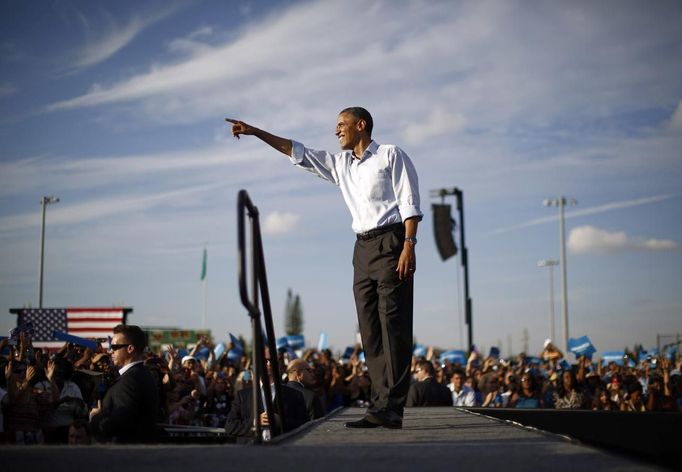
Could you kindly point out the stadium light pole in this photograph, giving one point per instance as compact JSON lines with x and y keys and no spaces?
{"x":550,"y":263}
{"x":44,"y":202}
{"x":561,"y":202}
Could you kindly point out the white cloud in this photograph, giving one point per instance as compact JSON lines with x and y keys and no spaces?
{"x":467,"y":57}
{"x":438,"y":123}
{"x":676,"y":120}
{"x":591,"y":240}
{"x":67,"y":172}
{"x":280,"y":223}
{"x":116,"y":37}
{"x":192,"y":44}
{"x":587,"y":211}
{"x":68,"y":214}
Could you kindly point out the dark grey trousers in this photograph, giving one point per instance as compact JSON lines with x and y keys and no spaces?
{"x":384,"y":306}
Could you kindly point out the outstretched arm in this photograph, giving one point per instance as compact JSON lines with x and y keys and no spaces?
{"x":281,"y":144}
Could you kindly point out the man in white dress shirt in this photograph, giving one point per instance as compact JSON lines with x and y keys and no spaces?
{"x":461,"y":394}
{"x":379,"y":185}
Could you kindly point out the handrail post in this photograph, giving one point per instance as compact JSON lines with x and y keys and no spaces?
{"x":259,"y":288}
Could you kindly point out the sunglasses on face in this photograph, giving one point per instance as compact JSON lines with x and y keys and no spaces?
{"x":116,"y":347}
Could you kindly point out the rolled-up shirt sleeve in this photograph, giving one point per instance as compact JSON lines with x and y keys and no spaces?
{"x":320,"y":163}
{"x":406,"y":186}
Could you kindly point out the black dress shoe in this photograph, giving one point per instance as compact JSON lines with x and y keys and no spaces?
{"x":385,"y":418}
{"x":361,"y":423}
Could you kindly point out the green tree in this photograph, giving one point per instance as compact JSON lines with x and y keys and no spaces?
{"x":293,"y":315}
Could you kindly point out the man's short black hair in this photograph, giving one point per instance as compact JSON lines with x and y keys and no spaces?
{"x":361,"y":114}
{"x":427,"y":366}
{"x":134,"y":335}
{"x":458,"y":371}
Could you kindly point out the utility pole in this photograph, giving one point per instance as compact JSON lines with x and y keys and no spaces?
{"x":550,"y":263}
{"x":44,"y":202}
{"x":561,"y":202}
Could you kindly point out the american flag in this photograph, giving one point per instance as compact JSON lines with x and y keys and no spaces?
{"x":95,"y":323}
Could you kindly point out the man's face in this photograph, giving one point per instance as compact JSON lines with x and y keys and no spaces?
{"x":123,"y":354}
{"x":457,"y":381}
{"x":305,"y":376}
{"x":347,"y":131}
{"x":78,"y":436}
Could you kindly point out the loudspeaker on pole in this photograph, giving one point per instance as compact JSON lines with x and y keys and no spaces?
{"x":443,"y":226}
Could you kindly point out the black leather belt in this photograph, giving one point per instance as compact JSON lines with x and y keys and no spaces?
{"x":373,"y":233}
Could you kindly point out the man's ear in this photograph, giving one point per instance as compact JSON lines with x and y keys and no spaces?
{"x":361,"y":125}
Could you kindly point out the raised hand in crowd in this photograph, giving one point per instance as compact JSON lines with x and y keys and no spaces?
{"x":85,"y":358}
{"x":172,"y":358}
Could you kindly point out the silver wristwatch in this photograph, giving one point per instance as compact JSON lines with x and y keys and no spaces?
{"x":411,"y":240}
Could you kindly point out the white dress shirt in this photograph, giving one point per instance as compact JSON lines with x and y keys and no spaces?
{"x":127,"y":367}
{"x":464,"y":397}
{"x":379,"y":189}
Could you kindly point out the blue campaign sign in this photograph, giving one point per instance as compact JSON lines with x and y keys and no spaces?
{"x":671,"y":352}
{"x":419,"y":350}
{"x":564,"y":365}
{"x":348,"y":352}
{"x":69,"y":338}
{"x":202,"y":353}
{"x":323,"y":343}
{"x":219,"y":350}
{"x":281,"y":343}
{"x":613,"y":356}
{"x":454,"y":357}
{"x":296,"y":341}
{"x":237,"y":345}
{"x":494,"y":352}
{"x":234,"y":355}
{"x":581,"y":346}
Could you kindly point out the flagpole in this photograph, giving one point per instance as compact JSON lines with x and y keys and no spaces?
{"x":203,"y":318}
{"x":203,"y":281}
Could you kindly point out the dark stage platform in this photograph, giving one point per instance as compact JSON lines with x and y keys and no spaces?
{"x":431,"y":439}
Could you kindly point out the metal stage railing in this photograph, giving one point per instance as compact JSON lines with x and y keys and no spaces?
{"x":262,"y":392}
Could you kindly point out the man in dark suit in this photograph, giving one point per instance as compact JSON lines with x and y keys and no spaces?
{"x":129,"y":410}
{"x":427,"y":391}
{"x":301,"y":378}
{"x":240,"y":419}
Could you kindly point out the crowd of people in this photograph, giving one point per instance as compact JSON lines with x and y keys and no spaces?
{"x":61,"y":397}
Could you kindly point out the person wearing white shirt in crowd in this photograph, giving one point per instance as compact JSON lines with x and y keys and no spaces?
{"x":461,"y":394}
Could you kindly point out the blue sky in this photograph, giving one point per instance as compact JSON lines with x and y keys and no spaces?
{"x":117,"y":108}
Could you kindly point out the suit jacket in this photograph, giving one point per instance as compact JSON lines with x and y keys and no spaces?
{"x":129,"y":410}
{"x":313,"y":403}
{"x":240,"y":419}
{"x":429,"y":393}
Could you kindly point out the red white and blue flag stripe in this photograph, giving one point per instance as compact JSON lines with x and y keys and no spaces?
{"x":92,"y":323}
